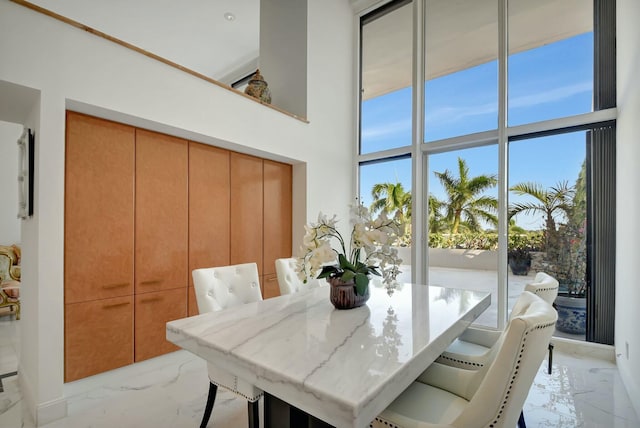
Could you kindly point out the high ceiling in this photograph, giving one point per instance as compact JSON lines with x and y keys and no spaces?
{"x":192,"y":33}
{"x":460,"y":33}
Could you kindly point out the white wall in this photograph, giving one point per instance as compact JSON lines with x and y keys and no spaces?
{"x":9,"y":222}
{"x":628,"y":198}
{"x":283,"y":52}
{"x":72,"y":68}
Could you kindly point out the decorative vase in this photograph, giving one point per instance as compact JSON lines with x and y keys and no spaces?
{"x":572,"y":314}
{"x":259,"y":88}
{"x":343,"y":294}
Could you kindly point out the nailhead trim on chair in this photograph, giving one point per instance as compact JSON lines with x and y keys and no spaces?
{"x":235,"y":390}
{"x":464,"y":362}
{"x":514,"y":376}
{"x":505,"y":400}
{"x":385,"y":423}
{"x":544,"y":289}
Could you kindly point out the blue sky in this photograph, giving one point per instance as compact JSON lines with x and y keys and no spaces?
{"x":548,"y":82}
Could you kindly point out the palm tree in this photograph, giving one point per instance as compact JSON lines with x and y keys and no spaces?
{"x":553,"y":202}
{"x":466,"y":205}
{"x":392,"y":199}
{"x":437,"y":222}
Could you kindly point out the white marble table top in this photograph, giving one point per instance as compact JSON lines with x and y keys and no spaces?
{"x":341,"y":366}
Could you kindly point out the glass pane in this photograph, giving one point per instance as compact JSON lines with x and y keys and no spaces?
{"x":386,"y":186}
{"x":386,"y":81}
{"x":547,"y":204}
{"x":461,"y":88}
{"x":550,"y":59}
{"x":463,"y":241}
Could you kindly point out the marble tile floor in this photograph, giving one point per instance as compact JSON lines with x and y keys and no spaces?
{"x":170,"y":391}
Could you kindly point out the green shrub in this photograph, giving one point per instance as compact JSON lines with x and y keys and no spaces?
{"x":531,"y":241}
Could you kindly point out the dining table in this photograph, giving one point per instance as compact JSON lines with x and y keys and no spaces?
{"x":320,"y":366}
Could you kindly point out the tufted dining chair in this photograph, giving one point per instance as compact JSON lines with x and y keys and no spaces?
{"x":491,"y":396}
{"x":288,"y":279}
{"x":219,"y":288}
{"x":472,"y":348}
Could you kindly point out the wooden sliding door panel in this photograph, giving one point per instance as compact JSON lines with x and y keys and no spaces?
{"x":192,"y":303}
{"x":98,"y":336}
{"x":277,"y":184}
{"x":246,"y":210}
{"x":161,"y":212}
{"x":269,"y":285}
{"x":99,"y":202}
{"x":209,"y":199}
{"x":153,"y":311}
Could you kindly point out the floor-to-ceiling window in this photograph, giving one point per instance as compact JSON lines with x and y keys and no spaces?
{"x":499,"y":112}
{"x":385,"y":167}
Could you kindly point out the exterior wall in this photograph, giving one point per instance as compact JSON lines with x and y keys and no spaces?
{"x":74,"y":69}
{"x":456,"y":258}
{"x":627,"y":335}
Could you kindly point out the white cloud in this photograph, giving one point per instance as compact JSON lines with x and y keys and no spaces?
{"x":552,"y":95}
{"x":449,"y":114}
{"x":386,"y":129}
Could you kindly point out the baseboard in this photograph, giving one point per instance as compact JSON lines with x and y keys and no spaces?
{"x":51,"y":411}
{"x":42,"y":413}
{"x":585,"y":349}
{"x":27,"y":394}
{"x":631,"y":385}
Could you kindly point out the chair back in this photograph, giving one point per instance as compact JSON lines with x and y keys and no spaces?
{"x":223,"y":287}
{"x":503,"y":385}
{"x":288,"y":280}
{"x":545,"y":286}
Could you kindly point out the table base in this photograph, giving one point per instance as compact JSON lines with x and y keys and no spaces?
{"x":280,"y":414}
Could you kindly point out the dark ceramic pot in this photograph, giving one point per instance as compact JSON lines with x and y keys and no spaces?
{"x":343,"y":295}
{"x":520,"y":267}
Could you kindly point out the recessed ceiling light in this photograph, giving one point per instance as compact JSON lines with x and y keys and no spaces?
{"x":229,"y":16}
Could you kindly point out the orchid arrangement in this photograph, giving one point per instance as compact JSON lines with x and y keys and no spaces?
{"x":368,"y":251}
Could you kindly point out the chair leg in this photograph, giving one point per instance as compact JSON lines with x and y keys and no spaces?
{"x":213,"y":389}
{"x":550,"y":357}
{"x":253,"y":409}
{"x":521,"y":423}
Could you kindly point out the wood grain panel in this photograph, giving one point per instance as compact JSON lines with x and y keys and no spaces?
{"x":277,"y":185}
{"x":246,"y":210}
{"x":269,"y":285}
{"x":98,"y":336}
{"x":161,"y":218}
{"x":99,"y":201}
{"x":192,"y":303}
{"x":152,"y":312}
{"x":209,"y":199}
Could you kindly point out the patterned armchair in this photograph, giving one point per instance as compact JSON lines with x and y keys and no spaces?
{"x":10,"y":279}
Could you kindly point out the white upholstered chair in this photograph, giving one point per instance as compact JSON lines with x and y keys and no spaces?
{"x":220,"y":288}
{"x":288,"y":279}
{"x":472,"y":348}
{"x":491,"y":396}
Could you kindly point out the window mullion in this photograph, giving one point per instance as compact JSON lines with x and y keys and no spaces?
{"x":503,"y":161}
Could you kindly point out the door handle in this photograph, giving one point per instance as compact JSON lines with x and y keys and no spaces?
{"x":114,"y":305}
{"x":112,"y":286}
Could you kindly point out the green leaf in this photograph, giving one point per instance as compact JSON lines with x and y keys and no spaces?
{"x":328,"y":271}
{"x":362,"y":282}
{"x":344,"y":263}
{"x":348,"y":275}
{"x":374,"y":270}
